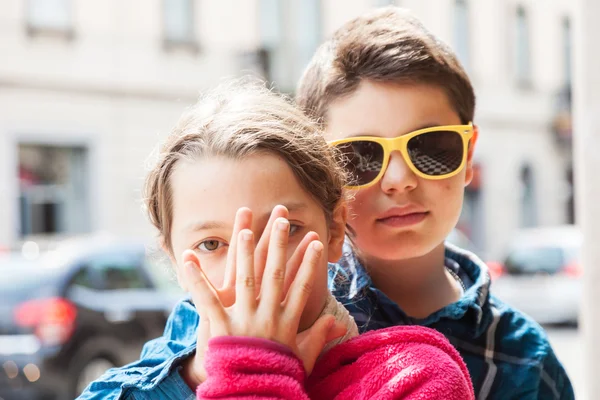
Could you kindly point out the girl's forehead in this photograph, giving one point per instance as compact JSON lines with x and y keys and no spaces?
{"x":214,"y":188}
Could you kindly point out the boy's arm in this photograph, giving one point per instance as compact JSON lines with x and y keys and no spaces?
{"x":250,"y":367}
{"x":554,"y":382}
{"x":126,"y":384}
{"x":155,"y":376}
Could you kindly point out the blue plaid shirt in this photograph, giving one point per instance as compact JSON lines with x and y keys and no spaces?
{"x":508,"y":355}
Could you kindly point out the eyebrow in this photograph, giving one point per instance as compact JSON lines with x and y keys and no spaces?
{"x":197,"y":226}
{"x":424,"y":126}
{"x":204,"y":226}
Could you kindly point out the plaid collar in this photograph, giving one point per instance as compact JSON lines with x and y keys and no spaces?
{"x":351,"y":284}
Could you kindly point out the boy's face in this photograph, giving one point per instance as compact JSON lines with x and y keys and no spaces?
{"x":402,"y":216}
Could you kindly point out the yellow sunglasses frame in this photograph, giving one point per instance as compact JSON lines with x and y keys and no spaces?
{"x":400,"y":143}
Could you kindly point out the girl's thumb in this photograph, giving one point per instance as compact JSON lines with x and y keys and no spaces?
{"x":324,"y":330}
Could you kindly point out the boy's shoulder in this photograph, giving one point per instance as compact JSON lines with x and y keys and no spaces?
{"x":513,"y":357}
{"x":518,"y":332}
{"x":508,"y":354}
{"x":511,"y":327}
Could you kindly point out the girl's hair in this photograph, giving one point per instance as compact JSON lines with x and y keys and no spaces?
{"x":236,"y":120}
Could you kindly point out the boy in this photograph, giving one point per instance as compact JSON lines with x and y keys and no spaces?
{"x":383,"y":75}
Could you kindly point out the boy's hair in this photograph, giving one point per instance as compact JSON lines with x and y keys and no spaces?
{"x":236,"y":120}
{"x":387,"y":45}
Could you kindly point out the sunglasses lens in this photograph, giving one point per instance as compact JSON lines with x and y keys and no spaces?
{"x":436,"y":153}
{"x":362,"y":159}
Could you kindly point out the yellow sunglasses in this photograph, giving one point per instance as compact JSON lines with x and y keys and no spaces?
{"x":434,"y":153}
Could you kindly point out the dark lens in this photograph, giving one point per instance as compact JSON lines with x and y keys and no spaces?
{"x":436,"y":153}
{"x":362,"y":159}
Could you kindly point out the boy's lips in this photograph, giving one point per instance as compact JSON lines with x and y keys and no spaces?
{"x":403,"y":216}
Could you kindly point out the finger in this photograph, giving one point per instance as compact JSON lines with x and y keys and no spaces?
{"x":295,"y":261}
{"x":262,"y":248}
{"x":272,"y":286}
{"x":337,"y":331}
{"x":302,"y":286}
{"x":312,"y":341}
{"x":205,"y":298}
{"x":204,"y":334}
{"x":245,"y":294}
{"x":243,"y":220}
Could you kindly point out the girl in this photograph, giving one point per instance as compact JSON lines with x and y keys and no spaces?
{"x":243,"y":149}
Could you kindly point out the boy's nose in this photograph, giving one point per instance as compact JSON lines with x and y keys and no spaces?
{"x":398,"y":177}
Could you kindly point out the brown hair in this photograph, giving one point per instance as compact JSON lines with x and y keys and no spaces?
{"x":235,"y":120}
{"x":387,"y":45}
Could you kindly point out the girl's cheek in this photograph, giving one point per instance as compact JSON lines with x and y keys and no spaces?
{"x":216,"y":278}
{"x":214,"y":268}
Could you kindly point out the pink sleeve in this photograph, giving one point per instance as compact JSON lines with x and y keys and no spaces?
{"x":251,"y":368}
{"x":402,"y":362}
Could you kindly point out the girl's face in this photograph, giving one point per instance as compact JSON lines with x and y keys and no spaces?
{"x":208,"y":193}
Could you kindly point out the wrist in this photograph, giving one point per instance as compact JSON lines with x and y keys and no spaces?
{"x":188,"y":373}
{"x":252,"y":342}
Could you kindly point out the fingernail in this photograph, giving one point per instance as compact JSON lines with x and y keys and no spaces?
{"x":317,"y":246}
{"x":247,"y":236}
{"x":283,"y":225}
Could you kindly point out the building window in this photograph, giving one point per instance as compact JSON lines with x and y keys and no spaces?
{"x":49,"y":16}
{"x":179,"y":27}
{"x":528,"y":198}
{"x":290,"y":33}
{"x":53,"y":191}
{"x":570,"y":195}
{"x":269,"y":58}
{"x":308,"y":31}
{"x":522,"y":47}
{"x":567,"y":50}
{"x":384,"y":3}
{"x":462,"y":31}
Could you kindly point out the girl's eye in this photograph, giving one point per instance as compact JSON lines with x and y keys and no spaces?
{"x":294,"y":229}
{"x":210,"y":245}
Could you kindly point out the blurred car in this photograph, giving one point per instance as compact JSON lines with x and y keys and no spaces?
{"x":69,"y":315}
{"x":541,"y":274}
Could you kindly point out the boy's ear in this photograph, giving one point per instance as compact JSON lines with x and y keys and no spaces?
{"x":337,"y":232}
{"x":471,"y":151}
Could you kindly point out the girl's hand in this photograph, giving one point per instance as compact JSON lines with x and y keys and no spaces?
{"x":275,"y":313}
{"x":265,"y":316}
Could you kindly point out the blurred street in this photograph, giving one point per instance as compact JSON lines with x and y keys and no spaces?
{"x":567,"y":344}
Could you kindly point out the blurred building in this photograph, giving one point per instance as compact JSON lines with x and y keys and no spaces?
{"x":87,"y":89}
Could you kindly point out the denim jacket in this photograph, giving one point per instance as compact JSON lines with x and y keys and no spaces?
{"x":508,"y":354}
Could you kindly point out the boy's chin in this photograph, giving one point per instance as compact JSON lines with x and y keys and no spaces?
{"x":407,"y":247}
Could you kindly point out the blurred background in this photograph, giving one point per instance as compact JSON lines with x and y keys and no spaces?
{"x":89,"y":88}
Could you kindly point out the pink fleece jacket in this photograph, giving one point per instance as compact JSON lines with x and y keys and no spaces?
{"x":402,"y":362}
